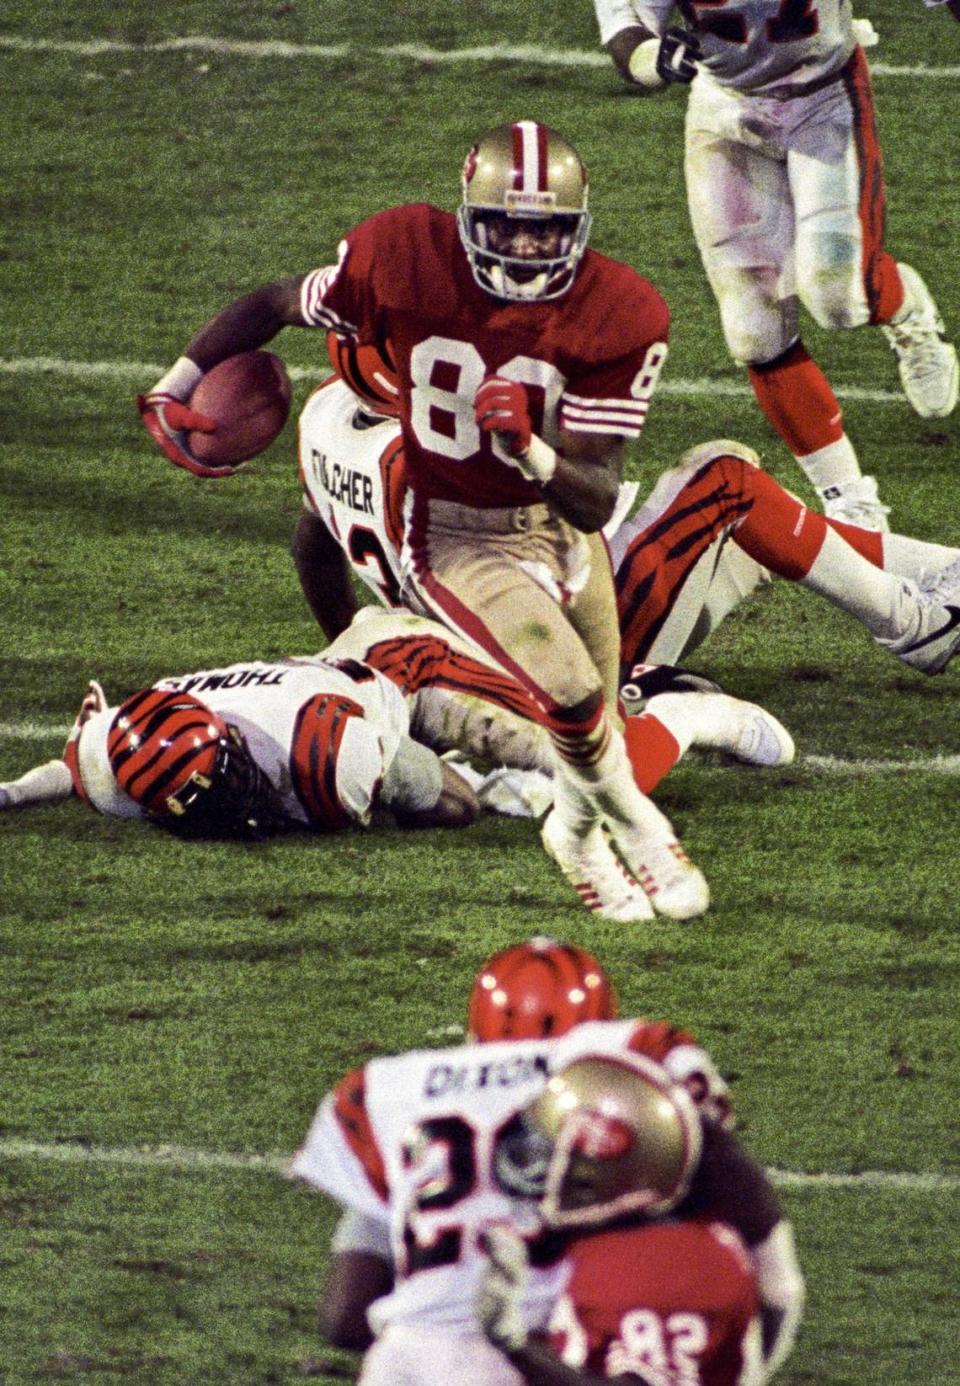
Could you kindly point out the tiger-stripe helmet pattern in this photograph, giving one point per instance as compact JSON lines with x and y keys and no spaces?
{"x":368,"y":370}
{"x":188,"y":769}
{"x":538,"y":989}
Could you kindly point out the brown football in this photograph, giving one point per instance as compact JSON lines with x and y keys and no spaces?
{"x":249,"y":396}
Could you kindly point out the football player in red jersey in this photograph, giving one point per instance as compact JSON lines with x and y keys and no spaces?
{"x":525,"y":362}
{"x":681,"y":1269}
{"x":711,"y":530}
{"x":786,"y":196}
{"x":405,"y":1144}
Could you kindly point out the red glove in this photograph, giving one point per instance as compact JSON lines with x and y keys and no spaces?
{"x":501,"y":407}
{"x":167,"y":420}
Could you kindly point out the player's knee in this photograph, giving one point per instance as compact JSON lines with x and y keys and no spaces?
{"x":829,"y":282}
{"x":756,"y":332}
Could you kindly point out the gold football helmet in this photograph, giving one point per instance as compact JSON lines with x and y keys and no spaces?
{"x":523,"y":220}
{"x":607,"y":1136}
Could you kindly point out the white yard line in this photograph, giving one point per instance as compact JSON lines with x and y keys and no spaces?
{"x":825,"y":765}
{"x":832,"y":765}
{"x":147,"y":372}
{"x":528,"y":54}
{"x":180,"y":1157}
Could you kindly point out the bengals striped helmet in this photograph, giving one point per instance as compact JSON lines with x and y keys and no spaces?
{"x":188,"y":769}
{"x":524,"y":181}
{"x":538,"y":989}
{"x":370,"y":372}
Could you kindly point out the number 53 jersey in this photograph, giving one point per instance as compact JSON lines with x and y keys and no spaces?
{"x":411,"y":1140}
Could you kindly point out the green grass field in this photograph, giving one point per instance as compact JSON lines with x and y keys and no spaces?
{"x":157,"y":995}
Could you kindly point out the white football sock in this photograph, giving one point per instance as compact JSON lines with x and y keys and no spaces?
{"x":610,"y":786}
{"x":831,"y":466}
{"x":914,"y":558}
{"x":885,"y":602}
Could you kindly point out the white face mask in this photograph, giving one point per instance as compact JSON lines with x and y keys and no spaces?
{"x":524,"y":277}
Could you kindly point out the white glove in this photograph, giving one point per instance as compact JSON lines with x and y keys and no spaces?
{"x":865,"y":34}
{"x":501,"y":1289}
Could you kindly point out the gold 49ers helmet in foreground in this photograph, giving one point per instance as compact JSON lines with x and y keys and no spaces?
{"x":606,"y":1137}
{"x":523,"y":220}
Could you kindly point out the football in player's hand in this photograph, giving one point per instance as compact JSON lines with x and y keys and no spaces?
{"x":249,"y":397}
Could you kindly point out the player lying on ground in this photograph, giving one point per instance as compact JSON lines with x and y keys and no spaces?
{"x":251,"y":749}
{"x":289,"y":725}
{"x":414,"y":1147}
{"x":659,"y":1204}
{"x":459,"y":700}
{"x":786,"y":196}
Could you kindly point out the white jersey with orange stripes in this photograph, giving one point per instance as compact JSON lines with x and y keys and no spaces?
{"x":265,"y":702}
{"x":458,"y":697}
{"x":757,"y":46}
{"x":410,"y":1139}
{"x":353,"y":477}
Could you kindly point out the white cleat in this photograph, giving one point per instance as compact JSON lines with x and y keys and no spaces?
{"x":675,"y":887}
{"x":748,"y":731}
{"x":603,"y":884}
{"x":856,"y":503}
{"x":929,"y":372}
{"x":936,"y":638}
{"x":515,"y":793}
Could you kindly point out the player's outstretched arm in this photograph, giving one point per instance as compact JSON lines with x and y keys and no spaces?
{"x":422,"y":791}
{"x":248,"y":323}
{"x":44,"y":784}
{"x":324,"y":575}
{"x":245,"y":325}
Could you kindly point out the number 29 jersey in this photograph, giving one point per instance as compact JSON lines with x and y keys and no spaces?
{"x":411,"y":1139}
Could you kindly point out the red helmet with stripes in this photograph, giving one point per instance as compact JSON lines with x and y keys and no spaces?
{"x":188,"y":769}
{"x":538,"y":989}
{"x":523,"y":220}
{"x":368,"y":371}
